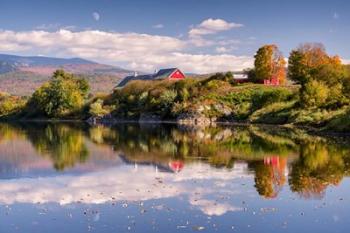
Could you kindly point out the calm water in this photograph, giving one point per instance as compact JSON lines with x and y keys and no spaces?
{"x":131,"y":178}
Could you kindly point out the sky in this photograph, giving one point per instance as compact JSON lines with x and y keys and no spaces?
{"x":199,"y":36}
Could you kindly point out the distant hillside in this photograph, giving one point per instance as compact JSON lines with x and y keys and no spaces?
{"x":22,"y":75}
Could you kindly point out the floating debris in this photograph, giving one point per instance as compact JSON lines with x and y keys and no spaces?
{"x":198,"y":228}
{"x":267,"y":209}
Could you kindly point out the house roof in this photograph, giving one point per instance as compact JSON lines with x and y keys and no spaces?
{"x":161,"y":74}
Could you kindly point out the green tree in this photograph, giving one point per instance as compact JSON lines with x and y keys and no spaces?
{"x":297,"y":71}
{"x":62,"y":95}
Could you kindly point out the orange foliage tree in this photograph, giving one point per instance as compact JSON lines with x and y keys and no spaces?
{"x":269,"y":63}
{"x":310,"y":61}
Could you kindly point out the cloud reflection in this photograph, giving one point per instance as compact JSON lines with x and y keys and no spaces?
{"x":124,"y":184}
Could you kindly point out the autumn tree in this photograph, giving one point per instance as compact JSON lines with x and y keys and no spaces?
{"x":269,"y":63}
{"x":311,"y":61}
{"x":310,"y":66}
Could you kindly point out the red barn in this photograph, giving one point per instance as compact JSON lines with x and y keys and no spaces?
{"x":171,"y":74}
{"x":273,"y":81}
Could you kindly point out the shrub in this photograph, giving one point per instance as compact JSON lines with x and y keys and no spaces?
{"x":11,"y":105}
{"x":346,"y":87}
{"x":184,"y":94}
{"x":316,"y":117}
{"x":315,"y":94}
{"x":340,"y":123}
{"x":167,"y":99}
{"x":264,"y":97}
{"x":97,"y":109}
{"x":276,"y":113}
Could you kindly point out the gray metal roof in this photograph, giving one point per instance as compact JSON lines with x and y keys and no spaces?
{"x":161,"y":74}
{"x":164,"y":73}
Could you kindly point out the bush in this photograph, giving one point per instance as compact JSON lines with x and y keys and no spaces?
{"x":265,"y":97}
{"x":167,"y":99}
{"x":315,"y":94}
{"x":346,"y":87}
{"x":11,"y":105}
{"x":97,"y":109}
{"x":340,"y":123}
{"x":276,"y":113}
{"x":316,"y":117}
{"x":246,"y":99}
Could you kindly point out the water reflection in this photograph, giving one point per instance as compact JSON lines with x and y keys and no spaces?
{"x":277,"y":158}
{"x":64,"y":145}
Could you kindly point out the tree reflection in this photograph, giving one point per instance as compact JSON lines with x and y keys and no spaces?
{"x":9,"y":132}
{"x":269,"y":175}
{"x":313,"y":162}
{"x":320,"y":165}
{"x":64,"y":145}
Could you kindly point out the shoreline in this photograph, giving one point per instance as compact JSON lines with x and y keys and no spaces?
{"x":114,"y":121}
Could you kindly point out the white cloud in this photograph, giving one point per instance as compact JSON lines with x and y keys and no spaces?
{"x":345,"y":61}
{"x":208,"y":27}
{"x":158,"y":26}
{"x":201,"y":42}
{"x":69,"y":27}
{"x":221,"y":49}
{"x":55,"y":27}
{"x":224,"y":49}
{"x":204,"y":63}
{"x":130,"y":50}
{"x":212,"y":26}
{"x":229,"y":42}
{"x":96,"y":16}
{"x":48,"y":26}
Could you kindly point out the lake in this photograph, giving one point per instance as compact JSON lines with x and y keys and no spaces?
{"x":167,"y":178}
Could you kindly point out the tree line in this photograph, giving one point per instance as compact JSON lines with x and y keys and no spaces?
{"x":324,"y":80}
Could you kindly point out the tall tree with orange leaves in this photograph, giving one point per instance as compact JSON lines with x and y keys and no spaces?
{"x":269,"y":63}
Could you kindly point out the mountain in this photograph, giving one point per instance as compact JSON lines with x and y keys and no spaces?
{"x":21,"y":75}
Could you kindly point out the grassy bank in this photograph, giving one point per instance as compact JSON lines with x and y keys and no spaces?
{"x":223,"y":100}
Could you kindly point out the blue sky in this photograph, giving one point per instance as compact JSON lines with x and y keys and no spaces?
{"x":196,"y":35}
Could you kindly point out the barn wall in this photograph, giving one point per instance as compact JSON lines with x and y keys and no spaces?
{"x":177,"y":75}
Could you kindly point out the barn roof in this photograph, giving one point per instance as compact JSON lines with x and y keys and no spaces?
{"x":164,"y":73}
{"x":161,"y":74}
